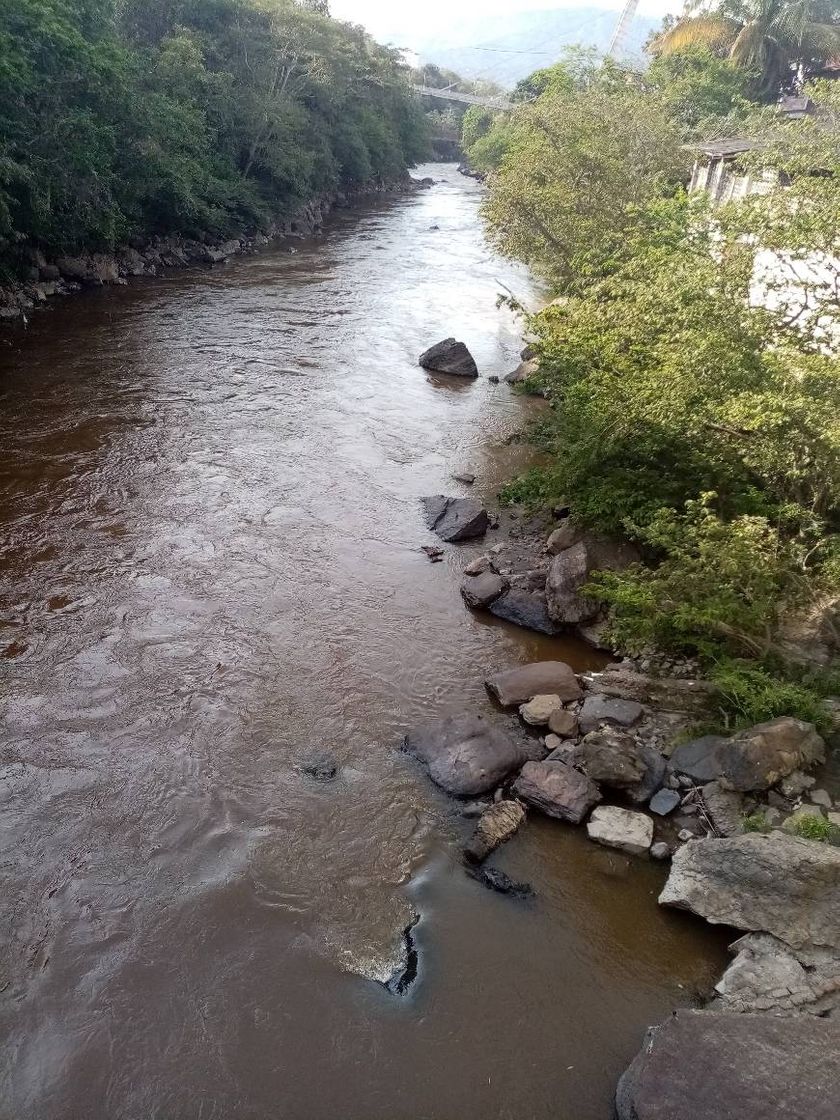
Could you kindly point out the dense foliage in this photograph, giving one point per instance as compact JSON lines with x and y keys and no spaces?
{"x":692,"y":368}
{"x":133,"y":116}
{"x":776,"y":41}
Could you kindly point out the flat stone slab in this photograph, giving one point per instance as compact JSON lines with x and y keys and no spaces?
{"x":621,"y":828}
{"x":607,"y":709}
{"x":557,"y":790}
{"x":777,"y":883}
{"x":706,"y":1065}
{"x":664,"y":802}
{"x":449,"y":356}
{"x":517,"y":686}
{"x":455,"y":519}
{"x":466,"y":755}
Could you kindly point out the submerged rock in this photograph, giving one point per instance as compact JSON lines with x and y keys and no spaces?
{"x":495,"y":827}
{"x":451,"y":357}
{"x":754,"y":759}
{"x":622,"y":829}
{"x":455,"y":519}
{"x":707,"y":1065}
{"x":466,"y":755}
{"x":496,"y":880}
{"x":777,"y":883}
{"x":557,"y":790}
{"x":517,"y":686}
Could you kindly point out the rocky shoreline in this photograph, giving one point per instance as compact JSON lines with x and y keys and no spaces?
{"x":156,"y":256}
{"x":752,"y":837}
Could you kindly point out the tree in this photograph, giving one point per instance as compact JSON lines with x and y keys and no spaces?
{"x":572,"y":168}
{"x":773,"y":38}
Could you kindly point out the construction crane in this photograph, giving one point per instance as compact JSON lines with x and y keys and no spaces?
{"x":621,"y":28}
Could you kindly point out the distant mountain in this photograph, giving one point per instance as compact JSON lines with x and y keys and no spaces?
{"x":506,"y":48}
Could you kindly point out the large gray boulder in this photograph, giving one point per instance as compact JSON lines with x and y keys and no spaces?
{"x":754,"y":759}
{"x":526,"y":609}
{"x":777,"y":883}
{"x":466,"y":755}
{"x":455,"y":519}
{"x":614,"y":759}
{"x":705,"y":1065}
{"x":557,"y":790}
{"x":571,"y":569}
{"x":449,"y":356}
{"x":518,"y":686}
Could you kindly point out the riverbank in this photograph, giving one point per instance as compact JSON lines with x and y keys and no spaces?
{"x":752,"y":833}
{"x":157,"y":256}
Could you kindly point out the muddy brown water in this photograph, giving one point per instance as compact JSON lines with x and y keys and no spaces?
{"x":210,"y":576}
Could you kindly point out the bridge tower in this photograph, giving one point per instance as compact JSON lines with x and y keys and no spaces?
{"x":622,"y":27}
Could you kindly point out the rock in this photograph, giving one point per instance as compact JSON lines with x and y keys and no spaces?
{"x":538,"y":712}
{"x":664,"y":802}
{"x":562,"y":752}
{"x":673,"y":694}
{"x":596,"y":634}
{"x":571,"y":569}
{"x":615,"y":759}
{"x":466,"y":755}
{"x":777,"y":883}
{"x":806,"y":813}
{"x":660,"y":850}
{"x":563,"y":723}
{"x":455,"y":519}
{"x":517,"y":686}
{"x":474,"y":809}
{"x":767,"y":975}
{"x":709,"y":1065}
{"x":74,"y":268}
{"x":494,"y":379}
{"x":323,"y":769}
{"x":562,"y":538}
{"x":685,"y":834}
{"x":479,"y":566}
{"x":821,"y":797}
{"x":496,"y":825}
{"x":526,"y":609}
{"x":436,"y":555}
{"x":466,"y":477}
{"x":773,"y":816}
{"x":605,"y":709}
{"x":449,"y":356}
{"x":620,"y":828}
{"x":528,"y":368}
{"x":796,"y":784}
{"x":834,"y":820}
{"x":496,"y":880}
{"x":724,"y":808}
{"x":50,"y":272}
{"x":754,"y":759}
{"x":480,"y":591}
{"x":557,"y":790}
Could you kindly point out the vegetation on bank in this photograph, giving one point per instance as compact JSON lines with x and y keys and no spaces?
{"x":138,"y":117}
{"x":695,"y":392}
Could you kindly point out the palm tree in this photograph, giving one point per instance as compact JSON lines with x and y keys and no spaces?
{"x":773,"y":38}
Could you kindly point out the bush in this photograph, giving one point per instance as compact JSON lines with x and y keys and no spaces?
{"x":812,"y":827}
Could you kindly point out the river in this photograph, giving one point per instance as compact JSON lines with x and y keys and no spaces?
{"x":211,"y":576}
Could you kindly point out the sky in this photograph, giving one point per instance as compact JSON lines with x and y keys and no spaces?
{"x":380,"y":16}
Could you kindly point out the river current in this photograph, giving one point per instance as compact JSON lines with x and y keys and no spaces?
{"x":210,"y":577}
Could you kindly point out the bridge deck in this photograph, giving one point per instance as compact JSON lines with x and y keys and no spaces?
{"x":499,"y":103}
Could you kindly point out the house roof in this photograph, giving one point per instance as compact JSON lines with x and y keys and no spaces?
{"x":723,"y":149}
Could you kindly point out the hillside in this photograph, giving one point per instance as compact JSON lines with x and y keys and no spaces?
{"x":507,"y":48}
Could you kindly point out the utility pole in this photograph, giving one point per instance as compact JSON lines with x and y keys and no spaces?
{"x":622,"y":27}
